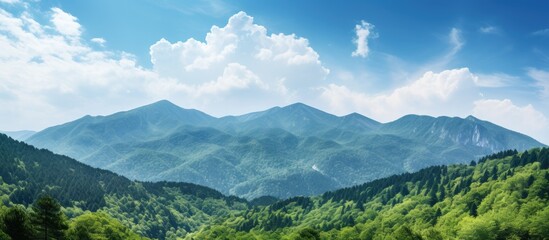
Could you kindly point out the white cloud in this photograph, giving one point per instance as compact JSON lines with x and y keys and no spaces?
{"x":542,"y":79}
{"x":283,"y":65}
{"x":65,"y":23}
{"x":235,"y":76}
{"x":49,"y":72}
{"x":55,"y":77}
{"x":434,"y":94}
{"x":99,"y":41}
{"x":524,"y":119}
{"x":488,"y":29}
{"x":451,"y":93}
{"x":455,"y":40}
{"x":9,"y":1}
{"x":364,"y":31}
{"x":541,"y":32}
{"x":495,"y":80}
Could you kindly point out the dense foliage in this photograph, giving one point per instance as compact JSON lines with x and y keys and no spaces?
{"x":282,"y":152}
{"x":502,"y":196}
{"x":46,"y":221}
{"x":156,"y":210}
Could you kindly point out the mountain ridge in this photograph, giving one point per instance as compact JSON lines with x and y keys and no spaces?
{"x":20,"y":135}
{"x":261,"y":153}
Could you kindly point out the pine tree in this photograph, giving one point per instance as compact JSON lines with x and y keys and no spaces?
{"x":48,"y":218}
{"x":485,"y":177}
{"x":495,"y":173}
{"x":473,"y":209}
{"x":530,"y":181}
{"x":17,"y":224}
{"x":515,"y":161}
{"x":437,"y":215}
{"x":433,"y":197}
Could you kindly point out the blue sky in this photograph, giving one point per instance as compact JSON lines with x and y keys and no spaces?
{"x":383,"y":59}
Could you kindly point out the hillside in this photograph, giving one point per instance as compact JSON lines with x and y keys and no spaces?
{"x":19,"y":135}
{"x":502,"y":196}
{"x":282,"y":152}
{"x":155,"y":210}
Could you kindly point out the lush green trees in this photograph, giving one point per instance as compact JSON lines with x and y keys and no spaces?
{"x":308,"y":234}
{"x":500,"y":197}
{"x":503,"y":196}
{"x":98,"y":225}
{"x":48,"y":219}
{"x":156,"y":210}
{"x":17,"y":223}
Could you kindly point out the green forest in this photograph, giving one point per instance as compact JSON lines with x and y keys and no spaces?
{"x":501,"y":196}
{"x":162,"y":210}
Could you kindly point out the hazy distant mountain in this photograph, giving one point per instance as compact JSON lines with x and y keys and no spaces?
{"x":282,"y":152}
{"x":19,"y":135}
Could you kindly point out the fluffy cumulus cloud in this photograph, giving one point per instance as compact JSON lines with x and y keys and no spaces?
{"x":48,"y":69}
{"x":363,"y":31}
{"x":49,"y":75}
{"x":453,"y":92}
{"x":433,"y":94}
{"x":241,"y":56}
{"x":99,"y":41}
{"x":65,"y":23}
{"x":525,"y":119}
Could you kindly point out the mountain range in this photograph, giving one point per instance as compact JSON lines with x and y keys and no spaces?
{"x":282,"y":152}
{"x":501,"y":196}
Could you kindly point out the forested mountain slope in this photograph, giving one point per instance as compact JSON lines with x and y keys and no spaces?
{"x":503,"y":196}
{"x":283,"y":151}
{"x":155,"y":210}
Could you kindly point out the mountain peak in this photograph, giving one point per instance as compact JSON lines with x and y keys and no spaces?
{"x":414,"y":117}
{"x":471,"y":118}
{"x":162,"y":104}
{"x":353,"y":115}
{"x":303,"y":110}
{"x":359,"y":117}
{"x":298,"y":105}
